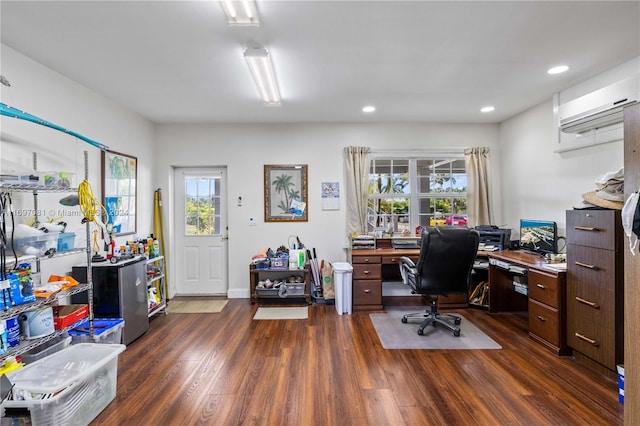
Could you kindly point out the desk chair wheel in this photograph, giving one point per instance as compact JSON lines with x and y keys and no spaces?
{"x":457,"y":321}
{"x":420,"y":331}
{"x":404,"y":319}
{"x":456,"y":333}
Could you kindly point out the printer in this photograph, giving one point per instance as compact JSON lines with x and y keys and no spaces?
{"x":494,"y":236}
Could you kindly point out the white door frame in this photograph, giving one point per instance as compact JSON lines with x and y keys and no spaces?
{"x":178,"y":172}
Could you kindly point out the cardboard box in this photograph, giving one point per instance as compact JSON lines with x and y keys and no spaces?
{"x":66,"y":315}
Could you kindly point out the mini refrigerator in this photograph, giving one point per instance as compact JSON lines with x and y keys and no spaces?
{"x":119,"y":291}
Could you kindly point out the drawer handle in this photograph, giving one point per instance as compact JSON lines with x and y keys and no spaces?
{"x":366,"y":290}
{"x":585,"y":228}
{"x":541,"y":318}
{"x":540,"y":286}
{"x":366,"y":260}
{"x":586,"y":302}
{"x":586,"y":265}
{"x":393,"y":259}
{"x":367,"y":272}
{"x":586,"y":339}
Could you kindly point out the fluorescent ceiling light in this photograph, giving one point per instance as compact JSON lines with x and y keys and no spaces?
{"x":557,"y":70}
{"x":241,"y":12}
{"x":487,"y":109}
{"x":261,"y":68}
{"x":368,"y":108}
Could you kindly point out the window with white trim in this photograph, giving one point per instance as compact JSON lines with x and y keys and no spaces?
{"x":406,"y":193}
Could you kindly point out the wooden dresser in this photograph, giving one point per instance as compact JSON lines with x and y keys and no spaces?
{"x":595,"y":288}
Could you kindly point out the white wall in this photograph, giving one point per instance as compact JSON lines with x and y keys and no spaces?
{"x":540,"y":184}
{"x":46,"y":94}
{"x":244,"y":149}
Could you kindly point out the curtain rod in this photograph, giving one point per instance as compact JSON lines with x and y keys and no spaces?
{"x":419,"y":151}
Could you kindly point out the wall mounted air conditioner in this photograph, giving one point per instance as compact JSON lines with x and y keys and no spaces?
{"x":597,"y":117}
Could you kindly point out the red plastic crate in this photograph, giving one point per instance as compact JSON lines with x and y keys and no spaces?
{"x":65,"y":315}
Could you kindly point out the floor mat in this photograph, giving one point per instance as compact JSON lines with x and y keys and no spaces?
{"x":263,"y":313}
{"x":196,"y":306}
{"x":393,"y":334}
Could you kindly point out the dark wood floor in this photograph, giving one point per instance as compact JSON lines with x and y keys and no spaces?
{"x":227,"y":369}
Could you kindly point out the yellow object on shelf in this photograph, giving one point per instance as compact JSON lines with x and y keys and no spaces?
{"x":10,"y":364}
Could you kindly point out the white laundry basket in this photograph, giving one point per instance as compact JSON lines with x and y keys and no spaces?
{"x":342,"y":277}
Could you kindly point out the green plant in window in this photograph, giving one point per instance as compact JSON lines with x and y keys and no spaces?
{"x":200,"y":217}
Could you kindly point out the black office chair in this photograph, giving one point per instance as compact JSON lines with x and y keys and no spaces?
{"x":444,"y":267}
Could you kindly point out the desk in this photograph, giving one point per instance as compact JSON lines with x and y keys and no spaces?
{"x":545,"y":301}
{"x":372,"y":267}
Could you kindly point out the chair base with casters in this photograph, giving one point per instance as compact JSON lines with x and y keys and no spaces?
{"x":433,"y":317}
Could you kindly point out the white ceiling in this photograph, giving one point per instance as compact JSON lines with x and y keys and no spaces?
{"x":416,"y":61}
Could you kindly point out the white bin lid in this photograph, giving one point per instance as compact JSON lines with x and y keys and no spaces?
{"x":60,"y":369}
{"x":342,"y":267}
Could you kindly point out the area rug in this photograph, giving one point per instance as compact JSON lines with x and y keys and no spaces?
{"x":196,"y":306}
{"x":287,"y":313}
{"x":393,"y":334}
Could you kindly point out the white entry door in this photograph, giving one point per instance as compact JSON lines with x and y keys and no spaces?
{"x":201,"y":231}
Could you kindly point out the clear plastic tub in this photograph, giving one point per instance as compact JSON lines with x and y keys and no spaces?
{"x":38,"y":245}
{"x":108,"y":330}
{"x":69,"y":387}
{"x":48,"y":348}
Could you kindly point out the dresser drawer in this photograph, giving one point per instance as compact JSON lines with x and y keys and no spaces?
{"x":596,"y":307}
{"x":595,"y":341}
{"x":367,"y":292}
{"x":544,"y":322}
{"x":543,"y":288}
{"x":367,"y":271}
{"x":365,"y":259}
{"x":593,"y":228}
{"x":591,"y":267}
{"x":390,"y":260}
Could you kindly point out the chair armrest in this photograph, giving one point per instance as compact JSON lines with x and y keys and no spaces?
{"x":406,"y":261}
{"x":408,"y":271}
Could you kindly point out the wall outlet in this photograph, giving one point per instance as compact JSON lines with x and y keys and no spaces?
{"x":252,"y":221}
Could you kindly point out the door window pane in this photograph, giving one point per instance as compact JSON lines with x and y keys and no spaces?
{"x":202,"y":204}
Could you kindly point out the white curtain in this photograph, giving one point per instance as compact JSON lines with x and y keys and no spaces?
{"x":356,"y":166}
{"x":478,"y":169}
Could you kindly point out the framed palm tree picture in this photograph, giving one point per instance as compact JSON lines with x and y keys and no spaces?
{"x":285,"y":193}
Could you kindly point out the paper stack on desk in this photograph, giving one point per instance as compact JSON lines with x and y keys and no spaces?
{"x":557,"y":266}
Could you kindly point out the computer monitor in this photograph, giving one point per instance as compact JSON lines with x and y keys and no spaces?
{"x":538,"y":236}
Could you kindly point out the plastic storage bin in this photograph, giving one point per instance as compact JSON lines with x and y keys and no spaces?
{"x":295,"y":289}
{"x":342,"y":278}
{"x":104,"y":331}
{"x":66,"y":241}
{"x":75,"y":385}
{"x":620,"y":383}
{"x":37,"y":245}
{"x":48,"y":348}
{"x":279,"y":262}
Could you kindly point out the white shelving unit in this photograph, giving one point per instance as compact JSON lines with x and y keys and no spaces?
{"x":156,"y":280}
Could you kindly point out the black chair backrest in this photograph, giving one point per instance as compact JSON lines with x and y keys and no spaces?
{"x":446,"y":259}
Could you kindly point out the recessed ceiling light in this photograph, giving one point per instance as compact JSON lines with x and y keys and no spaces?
{"x":368,"y":108}
{"x":487,"y":109}
{"x":557,"y":70}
